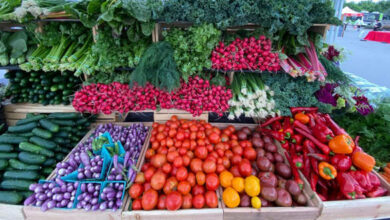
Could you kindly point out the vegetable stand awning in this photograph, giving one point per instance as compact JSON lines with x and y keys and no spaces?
{"x":351,"y":13}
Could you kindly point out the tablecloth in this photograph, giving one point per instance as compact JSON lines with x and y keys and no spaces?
{"x":380,"y":36}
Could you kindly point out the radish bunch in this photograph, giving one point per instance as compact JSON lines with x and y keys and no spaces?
{"x":246,"y":54}
{"x":195,"y":96}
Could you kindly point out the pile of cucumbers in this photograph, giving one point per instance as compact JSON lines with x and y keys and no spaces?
{"x":42,"y":87}
{"x":30,"y":149}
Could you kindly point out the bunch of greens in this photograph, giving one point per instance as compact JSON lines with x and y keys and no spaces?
{"x":373,"y":129}
{"x":7,"y":7}
{"x":294,"y":16}
{"x":193,"y":47}
{"x":293,"y":92}
{"x":13,"y":47}
{"x":158,"y":67}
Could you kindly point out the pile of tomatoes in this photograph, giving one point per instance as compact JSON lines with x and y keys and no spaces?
{"x":183,"y":164}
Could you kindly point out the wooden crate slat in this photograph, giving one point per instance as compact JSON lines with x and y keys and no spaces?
{"x":15,"y":115}
{"x":165,"y":117}
{"x":11,"y":122}
{"x":11,"y":212}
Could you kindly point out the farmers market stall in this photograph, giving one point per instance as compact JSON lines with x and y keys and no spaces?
{"x":379,"y":36}
{"x":111,"y":112}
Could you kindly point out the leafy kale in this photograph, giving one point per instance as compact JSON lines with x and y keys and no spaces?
{"x":289,"y":91}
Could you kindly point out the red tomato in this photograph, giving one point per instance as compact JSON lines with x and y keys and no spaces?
{"x":186,"y":144}
{"x":216,"y":130}
{"x":237,"y":150}
{"x":149,"y":173}
{"x":214,"y":138}
{"x":193,"y":136}
{"x":162,"y":150}
{"x":184,"y":187}
{"x":229,"y":154}
{"x":150,"y":153}
{"x":158,"y":180}
{"x":198,"y":201}
{"x":250,"y":153}
{"x":200,"y":178}
{"x":160,"y":136}
{"x":172,"y":155}
{"x":186,"y":160}
{"x":196,"y":165}
{"x":193,"y":128}
{"x":158,"y":160}
{"x":220,"y":168}
{"x":245,"y":168}
{"x":190,"y":154}
{"x":172,"y":133}
{"x":210,"y":148}
{"x":201,"y":135}
{"x":149,"y":199}
{"x":174,"y":201}
{"x":196,"y":190}
{"x":211,"y":199}
{"x":201,"y":152}
{"x":191,"y":179}
{"x":140,"y":178}
{"x":220,"y":152}
{"x":170,"y":185}
{"x":225,"y":137}
{"x":193,"y":145}
{"x":180,"y":136}
{"x":166,"y":168}
{"x":137,"y":204}
{"x":147,"y":186}
{"x":145,"y":167}
{"x":161,"y":202}
{"x":170,"y":142}
{"x":234,"y":137}
{"x":181,"y":174}
{"x":212,"y":181}
{"x":236,"y":159}
{"x":201,"y":142}
{"x":178,"y":162}
{"x":182,"y":151}
{"x":209,"y":166}
{"x":226,"y":162}
{"x":235,"y":171}
{"x":187,"y":201}
{"x":136,"y":190}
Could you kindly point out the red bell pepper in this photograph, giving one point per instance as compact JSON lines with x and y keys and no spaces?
{"x":298,"y":124}
{"x":295,"y":110}
{"x":297,"y":139}
{"x":337,"y":130}
{"x":313,"y":181}
{"x":276,"y":126}
{"x":312,"y":122}
{"x":298,"y":162}
{"x":322,"y":197}
{"x":322,"y":132}
{"x":320,"y":157}
{"x":314,"y":165}
{"x":306,"y":165}
{"x":271,"y":121}
{"x":361,"y":178}
{"x":323,"y":147}
{"x":285,"y":145}
{"x":294,"y":170}
{"x":309,"y":146}
{"x":377,"y":192}
{"x":348,"y":185}
{"x":298,"y":148}
{"x":342,"y":162}
{"x":374,"y":179}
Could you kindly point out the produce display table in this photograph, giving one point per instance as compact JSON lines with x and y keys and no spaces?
{"x":379,"y":36}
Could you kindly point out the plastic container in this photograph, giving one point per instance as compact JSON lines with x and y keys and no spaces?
{"x":78,"y":192}
{"x":106,"y":152}
{"x":73,"y":176}
{"x":108,"y":136}
{"x":50,"y":181}
{"x":105,"y":183}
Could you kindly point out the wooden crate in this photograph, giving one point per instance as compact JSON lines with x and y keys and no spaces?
{"x":321,"y":29}
{"x":371,"y":208}
{"x":11,"y":212}
{"x":165,"y":114}
{"x":15,"y":112}
{"x":35,"y":213}
{"x":309,"y":212}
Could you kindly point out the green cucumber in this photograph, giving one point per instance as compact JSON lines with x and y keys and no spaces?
{"x":22,"y":128}
{"x":28,"y":134}
{"x":26,"y":194}
{"x":59,"y":140}
{"x":49,"y":162}
{"x":63,"y":134}
{"x":30,"y":119}
{"x":63,"y":116}
{"x":20,"y":174}
{"x":3,"y":164}
{"x":8,"y":155}
{"x":16,"y":164}
{"x":43,"y":142}
{"x":6,"y":147}
{"x":16,"y":184}
{"x":42,"y":133}
{"x":64,"y":122}
{"x":81,"y":121}
{"x":47,"y":124}
{"x":60,"y":156}
{"x":31,"y":158}
{"x":11,"y":139}
{"x":32,"y":148}
{"x":47,"y":170}
{"x":10,"y":197}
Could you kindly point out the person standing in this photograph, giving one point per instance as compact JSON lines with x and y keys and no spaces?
{"x":378,"y":25}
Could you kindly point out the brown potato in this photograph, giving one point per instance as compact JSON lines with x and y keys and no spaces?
{"x":284,"y":198}
{"x":267,"y":179}
{"x":283,"y":170}
{"x":282,"y":183}
{"x":269,"y":193}
{"x":293,"y":188}
{"x":300,"y":199}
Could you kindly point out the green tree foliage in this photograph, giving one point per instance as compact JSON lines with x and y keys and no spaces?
{"x":381,"y":6}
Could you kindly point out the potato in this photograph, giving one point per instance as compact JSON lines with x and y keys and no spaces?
{"x":283,"y":170}
{"x":278,"y":157}
{"x":293,"y":188}
{"x":267,"y":179}
{"x":271,"y":147}
{"x":269,"y":193}
{"x":260,"y":152}
{"x":267,"y":139}
{"x":245,"y":200}
{"x":257,"y":142}
{"x":263,"y":164}
{"x":284,"y":198}
{"x":270,"y":157}
{"x":282,"y":183}
{"x":300,"y":199}
{"x":256,"y":135}
{"x":265,"y":203}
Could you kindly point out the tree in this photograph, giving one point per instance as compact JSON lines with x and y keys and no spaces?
{"x":370,"y":6}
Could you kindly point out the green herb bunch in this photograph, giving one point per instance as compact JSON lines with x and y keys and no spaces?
{"x":193,"y":47}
